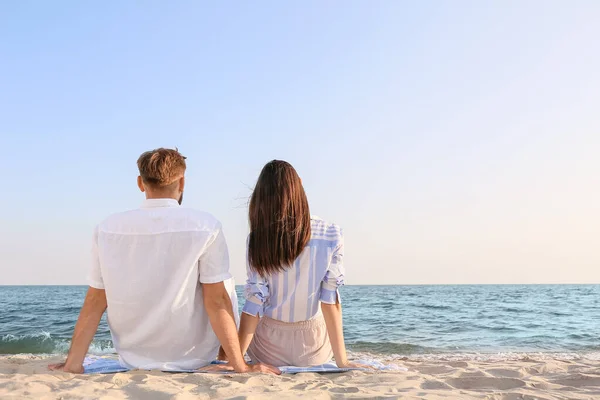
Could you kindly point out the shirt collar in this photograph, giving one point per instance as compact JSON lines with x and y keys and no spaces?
{"x":157,"y":203}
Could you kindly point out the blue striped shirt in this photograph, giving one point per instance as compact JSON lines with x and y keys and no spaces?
{"x":294,"y":294}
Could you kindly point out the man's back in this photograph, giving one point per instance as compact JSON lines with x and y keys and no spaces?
{"x":150,"y":262}
{"x":162,"y":275}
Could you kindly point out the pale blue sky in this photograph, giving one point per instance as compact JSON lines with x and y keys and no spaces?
{"x":454,"y":141}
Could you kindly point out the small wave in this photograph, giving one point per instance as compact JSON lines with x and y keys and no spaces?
{"x":511,"y":310}
{"x":580,"y":336}
{"x":503,"y":329}
{"x":559,"y":314}
{"x":44,"y":343}
{"x":434,"y":307}
{"x":385,"y":304}
{"x":454,"y":329}
{"x":388,"y":348}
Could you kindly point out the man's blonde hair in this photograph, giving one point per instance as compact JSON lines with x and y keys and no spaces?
{"x":161,"y":167}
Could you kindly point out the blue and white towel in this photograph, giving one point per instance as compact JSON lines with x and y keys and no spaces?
{"x":102,"y":365}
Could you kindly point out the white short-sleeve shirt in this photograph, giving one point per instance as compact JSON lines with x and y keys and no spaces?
{"x":151,"y":262}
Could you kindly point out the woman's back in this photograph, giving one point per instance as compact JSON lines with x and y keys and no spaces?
{"x":295,"y":267}
{"x":293,"y":295}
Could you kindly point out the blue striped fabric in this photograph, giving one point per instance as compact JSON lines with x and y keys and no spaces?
{"x":103,"y":365}
{"x":294,"y":294}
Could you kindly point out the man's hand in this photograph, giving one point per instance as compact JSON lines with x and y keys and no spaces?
{"x":263,"y":369}
{"x":63,"y":367}
{"x":94,"y":306}
{"x":220,"y":312}
{"x":253,"y":368}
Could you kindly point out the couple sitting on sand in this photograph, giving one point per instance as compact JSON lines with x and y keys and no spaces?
{"x":162,"y":274}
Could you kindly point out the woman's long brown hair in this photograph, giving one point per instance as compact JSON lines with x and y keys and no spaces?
{"x":279,"y":219}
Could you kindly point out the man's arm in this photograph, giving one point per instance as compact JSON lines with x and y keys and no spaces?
{"x":213,"y":270}
{"x":220,"y":312}
{"x":85,"y":329}
{"x":247,"y":330}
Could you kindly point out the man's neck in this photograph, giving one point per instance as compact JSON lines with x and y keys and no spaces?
{"x":160,"y":197}
{"x":178,"y":197}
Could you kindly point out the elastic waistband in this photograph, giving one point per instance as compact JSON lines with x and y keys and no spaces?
{"x":294,"y":326}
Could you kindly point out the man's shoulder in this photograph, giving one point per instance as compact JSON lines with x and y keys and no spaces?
{"x":202,"y":218}
{"x":117,"y":218}
{"x":186,"y":218}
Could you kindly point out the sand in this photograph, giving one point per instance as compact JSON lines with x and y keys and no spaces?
{"x":26,"y":377}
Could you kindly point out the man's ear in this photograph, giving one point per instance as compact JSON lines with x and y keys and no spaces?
{"x":181,"y":183}
{"x":140,"y":183}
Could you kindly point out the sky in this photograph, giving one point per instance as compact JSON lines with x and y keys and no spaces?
{"x":454,"y":142}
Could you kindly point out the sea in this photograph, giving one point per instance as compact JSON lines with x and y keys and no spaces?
{"x":484,"y":322}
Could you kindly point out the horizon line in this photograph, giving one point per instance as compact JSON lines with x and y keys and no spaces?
{"x":369,"y":284}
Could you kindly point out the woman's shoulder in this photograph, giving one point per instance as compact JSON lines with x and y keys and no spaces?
{"x":322,"y":229}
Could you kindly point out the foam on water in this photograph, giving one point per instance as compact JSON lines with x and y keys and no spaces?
{"x":44,"y":343}
{"x":483,"y":357}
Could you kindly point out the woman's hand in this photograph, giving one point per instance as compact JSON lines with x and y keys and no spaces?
{"x":350,"y":364}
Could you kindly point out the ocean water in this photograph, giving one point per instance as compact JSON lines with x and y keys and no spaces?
{"x":489,"y":321}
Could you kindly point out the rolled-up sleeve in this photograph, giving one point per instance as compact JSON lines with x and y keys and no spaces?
{"x":95,"y":274}
{"x":256,"y":292}
{"x":214,"y":263}
{"x":334,"y":278}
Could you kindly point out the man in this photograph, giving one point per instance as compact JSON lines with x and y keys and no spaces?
{"x":162,"y":274}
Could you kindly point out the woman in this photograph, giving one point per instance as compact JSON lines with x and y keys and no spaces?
{"x":292,"y":314}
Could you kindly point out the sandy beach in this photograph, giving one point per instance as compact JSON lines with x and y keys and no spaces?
{"x":26,"y":377}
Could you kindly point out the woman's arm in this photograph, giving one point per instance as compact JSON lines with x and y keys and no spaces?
{"x":331,"y":306}
{"x":333,"y":320}
{"x":257,"y":294}
{"x":248,"y":326}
